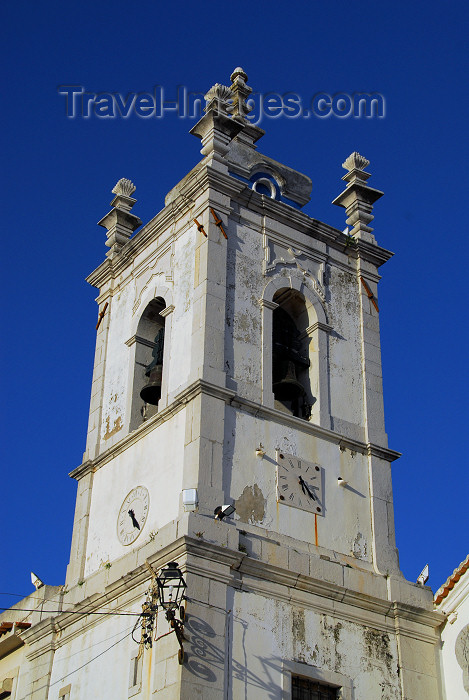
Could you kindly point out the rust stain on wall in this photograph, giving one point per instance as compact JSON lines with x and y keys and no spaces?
{"x":250,"y":506}
{"x":115,"y":428}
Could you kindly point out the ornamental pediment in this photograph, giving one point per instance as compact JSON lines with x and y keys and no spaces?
{"x":280,"y":256}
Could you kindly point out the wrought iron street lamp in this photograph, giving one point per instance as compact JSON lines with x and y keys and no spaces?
{"x":171,"y":588}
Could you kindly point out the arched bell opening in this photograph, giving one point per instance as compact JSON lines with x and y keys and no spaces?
{"x":290,"y":355}
{"x":148,"y":373}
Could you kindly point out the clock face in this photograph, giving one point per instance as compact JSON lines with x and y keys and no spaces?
{"x":133,"y":515}
{"x":299,"y":483}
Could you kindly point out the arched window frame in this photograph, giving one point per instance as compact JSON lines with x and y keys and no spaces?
{"x":167,"y":296}
{"x":318,"y":331}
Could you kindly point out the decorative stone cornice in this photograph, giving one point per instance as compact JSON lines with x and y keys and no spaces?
{"x":101,"y":275}
{"x":40,"y":638}
{"x":199,"y":556}
{"x":382,"y":452}
{"x":188,"y":394}
{"x":372,"y":252}
{"x":167,"y":310}
{"x":141,"y":341}
{"x":274,"y":582}
{"x":255,"y":575}
{"x":11,"y":640}
{"x":82,"y":470}
{"x":272,"y":305}
{"x":127,"y":441}
{"x":179,"y":202}
{"x":200,"y":386}
{"x":404,"y":613}
{"x":318,"y":326}
{"x":200,"y":180}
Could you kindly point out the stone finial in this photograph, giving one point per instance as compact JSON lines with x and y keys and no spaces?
{"x":239,"y":73}
{"x":120,"y":223}
{"x":217,"y":128}
{"x":358,"y":198}
{"x":225,"y":120}
{"x":240,"y":92}
{"x":355,"y":162}
{"x":218,"y":98}
{"x":125,"y":187}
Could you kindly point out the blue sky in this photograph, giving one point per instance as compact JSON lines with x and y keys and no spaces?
{"x":56,"y":183}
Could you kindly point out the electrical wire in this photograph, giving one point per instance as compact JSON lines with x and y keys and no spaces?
{"x":61,"y":679}
{"x":49,"y":601}
{"x":72,"y":612}
{"x":208,"y":605}
{"x":110,"y":612}
{"x":127,"y":634}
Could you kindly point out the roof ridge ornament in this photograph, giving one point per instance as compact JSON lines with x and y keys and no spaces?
{"x":219,"y":99}
{"x":240,"y":92}
{"x":124,"y":186}
{"x":225,"y":120}
{"x":358,"y":197}
{"x":355,"y":162}
{"x":120,"y":223}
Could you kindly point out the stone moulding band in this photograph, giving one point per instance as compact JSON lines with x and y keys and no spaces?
{"x":138,"y":339}
{"x":201,"y":386}
{"x":244,"y":574}
{"x":204,"y":176}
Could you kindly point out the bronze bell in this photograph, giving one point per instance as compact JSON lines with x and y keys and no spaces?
{"x":151,"y":392}
{"x":289,"y":390}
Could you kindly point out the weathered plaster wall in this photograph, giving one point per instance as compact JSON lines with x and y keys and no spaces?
{"x":164,"y":270}
{"x":182,"y":316}
{"x":243,"y":338}
{"x":345,"y":358}
{"x":455,"y":642}
{"x":98,"y":679}
{"x":101,"y":679}
{"x":259,"y":251}
{"x":14,"y":667}
{"x":267,"y":632}
{"x":114,"y":397}
{"x":155,"y":462}
{"x":345,"y":525}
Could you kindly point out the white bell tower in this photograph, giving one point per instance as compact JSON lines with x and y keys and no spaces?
{"x":238,"y":363}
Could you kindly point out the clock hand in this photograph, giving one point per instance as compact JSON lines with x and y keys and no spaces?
{"x":301,"y":482}
{"x":309,"y":492}
{"x":133,"y":519}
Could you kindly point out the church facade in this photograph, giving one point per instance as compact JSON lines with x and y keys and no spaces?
{"x":237,"y":364}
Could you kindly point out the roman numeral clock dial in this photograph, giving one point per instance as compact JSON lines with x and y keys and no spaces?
{"x":133,"y":514}
{"x":299,"y":483}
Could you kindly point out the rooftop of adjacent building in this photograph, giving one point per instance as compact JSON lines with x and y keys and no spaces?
{"x":451,"y":581}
